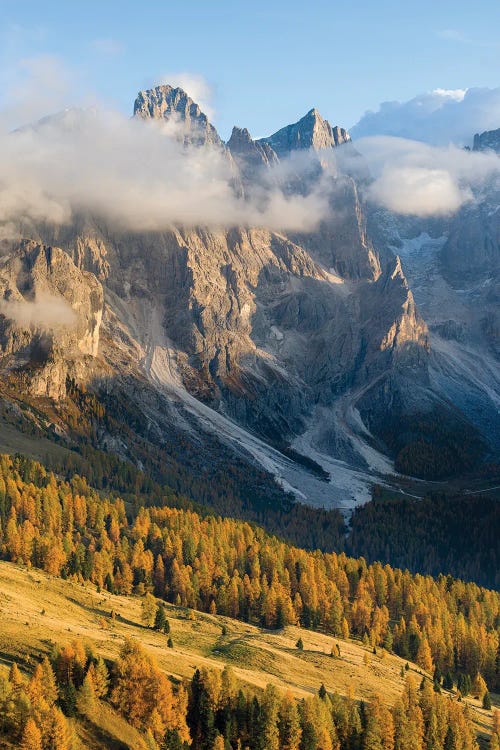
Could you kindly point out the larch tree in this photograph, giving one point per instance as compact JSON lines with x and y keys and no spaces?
{"x":289,"y":728}
{"x":32,"y":737}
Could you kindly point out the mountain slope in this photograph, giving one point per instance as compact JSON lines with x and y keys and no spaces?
{"x":240,"y":342}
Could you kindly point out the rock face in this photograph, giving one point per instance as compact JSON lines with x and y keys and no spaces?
{"x":50,"y":317}
{"x":250,"y":156}
{"x":487,"y":141}
{"x":310,"y":132}
{"x":265,"y":338}
{"x":168,"y":103}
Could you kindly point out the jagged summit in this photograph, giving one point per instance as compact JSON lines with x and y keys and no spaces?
{"x":248,"y":154}
{"x":312,"y":131}
{"x":168,"y":102}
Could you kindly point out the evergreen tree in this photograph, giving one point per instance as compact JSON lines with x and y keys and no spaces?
{"x":58,"y":733}
{"x":32,"y":737}
{"x":160,"y":618}
{"x":289,"y":728}
{"x":173,"y":740}
{"x":268,"y":725}
{"x":99,"y":675}
{"x":448,"y":681}
{"x":148,"y":610}
{"x":86,"y":697}
{"x":424,"y":656}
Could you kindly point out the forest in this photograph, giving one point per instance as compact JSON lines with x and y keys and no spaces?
{"x":225,"y":566}
{"x":437,"y":534}
{"x":212,"y":712}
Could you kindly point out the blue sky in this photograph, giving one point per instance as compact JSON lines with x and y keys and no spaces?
{"x":267,"y":63}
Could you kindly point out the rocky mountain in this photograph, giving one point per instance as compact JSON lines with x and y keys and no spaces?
{"x":310,"y":132}
{"x":487,"y":141}
{"x":50,"y":317}
{"x":300,"y":355}
{"x":169,"y":103}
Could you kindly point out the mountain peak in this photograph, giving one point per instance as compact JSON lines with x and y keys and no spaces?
{"x":311,"y":131}
{"x":167,"y":102}
{"x":249,"y":155}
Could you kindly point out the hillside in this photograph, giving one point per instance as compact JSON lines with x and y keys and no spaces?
{"x":230,"y":594}
{"x":39,"y":612}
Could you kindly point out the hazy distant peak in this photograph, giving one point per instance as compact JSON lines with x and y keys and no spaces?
{"x":487,"y":141}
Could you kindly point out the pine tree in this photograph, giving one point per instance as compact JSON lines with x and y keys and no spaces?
{"x":98,"y":673}
{"x":58,"y":735}
{"x":448,"y":681}
{"x":15,"y":677}
{"x":32,"y":737}
{"x":148,"y":610}
{"x":289,"y":728}
{"x":479,"y":687}
{"x":379,"y":726}
{"x":49,"y":684}
{"x":173,"y":740}
{"x":269,"y":732}
{"x":424,"y":656}
{"x":160,"y":618}
{"x":300,"y":644}
{"x":487,"y":701}
{"x":388,"y":641}
{"x":86,"y":698}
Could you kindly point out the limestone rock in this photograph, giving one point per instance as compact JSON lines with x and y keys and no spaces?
{"x":168,"y":103}
{"x":310,"y":132}
{"x":50,"y":317}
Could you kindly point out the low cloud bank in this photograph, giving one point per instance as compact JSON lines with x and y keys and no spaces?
{"x":421,"y":180}
{"x":137,"y":175}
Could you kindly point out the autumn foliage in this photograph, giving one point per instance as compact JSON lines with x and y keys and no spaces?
{"x":236,"y":569}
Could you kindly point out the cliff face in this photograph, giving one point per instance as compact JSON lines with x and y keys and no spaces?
{"x":50,"y":317}
{"x":283,"y":337}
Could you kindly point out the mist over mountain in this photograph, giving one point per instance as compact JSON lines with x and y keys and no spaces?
{"x":324,"y":309}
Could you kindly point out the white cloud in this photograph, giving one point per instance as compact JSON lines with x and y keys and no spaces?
{"x":196,"y":86}
{"x":411,"y":177}
{"x":46,"y":312}
{"x":440,"y":117}
{"x":134,"y":174}
{"x":418,"y":191}
{"x":455,"y":94}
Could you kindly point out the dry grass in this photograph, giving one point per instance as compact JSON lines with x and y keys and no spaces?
{"x":13,"y":440}
{"x":37,"y":611}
